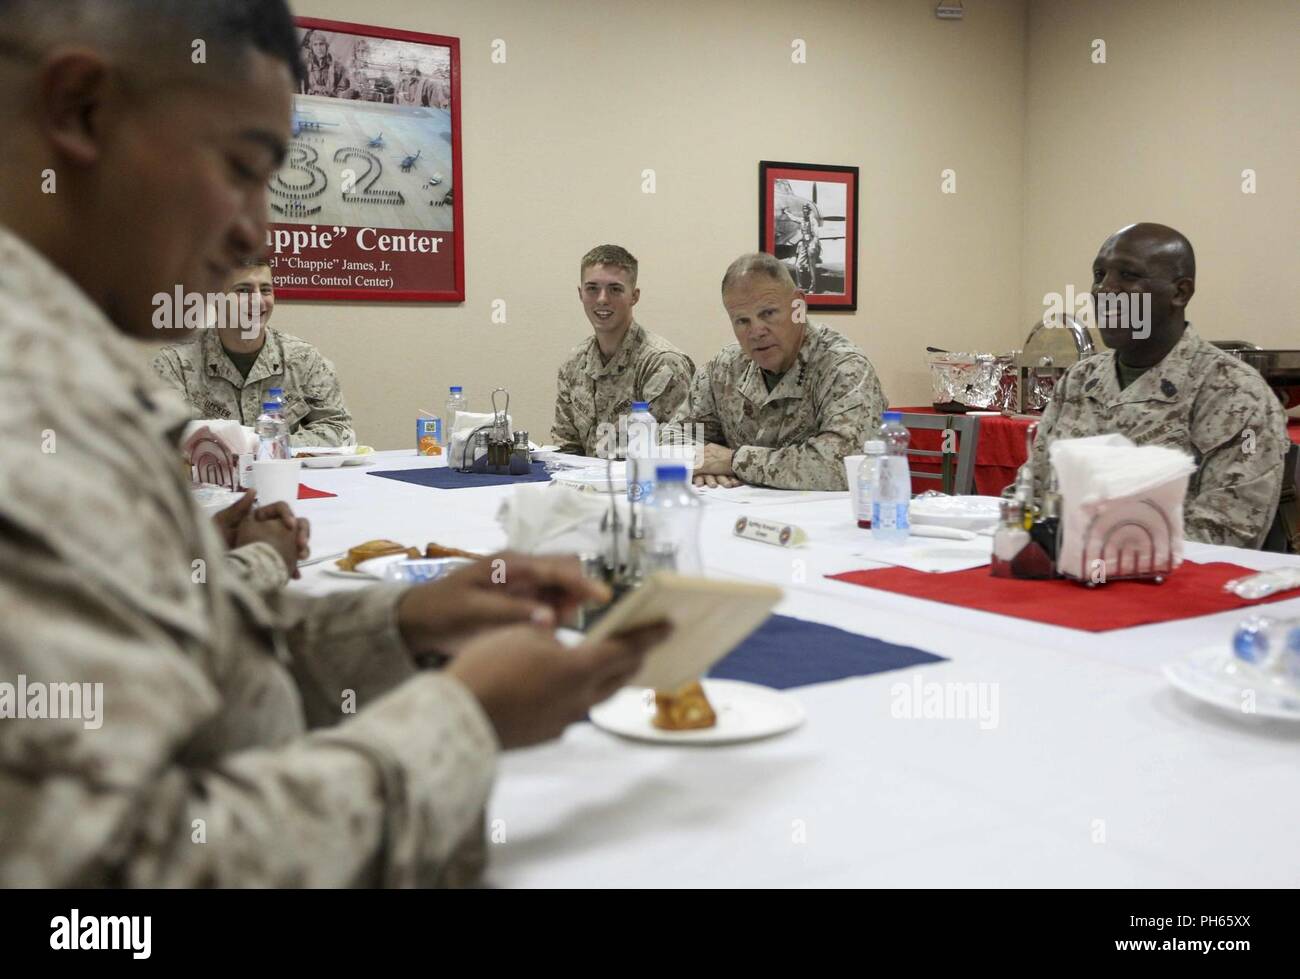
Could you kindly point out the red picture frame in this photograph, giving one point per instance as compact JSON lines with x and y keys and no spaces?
{"x":379,"y":121}
{"x":818,"y":239}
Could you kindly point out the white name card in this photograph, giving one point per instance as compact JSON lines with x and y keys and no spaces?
{"x":770,"y":532}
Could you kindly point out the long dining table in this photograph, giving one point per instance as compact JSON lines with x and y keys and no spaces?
{"x":1096,"y":773}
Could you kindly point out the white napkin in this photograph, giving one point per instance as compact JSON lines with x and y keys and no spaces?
{"x":549,"y":518}
{"x":462,"y":427}
{"x":925,"y":554}
{"x":1121,"y":505}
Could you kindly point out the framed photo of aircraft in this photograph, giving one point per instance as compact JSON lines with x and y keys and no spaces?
{"x":808,"y":218}
{"x":368,"y":203}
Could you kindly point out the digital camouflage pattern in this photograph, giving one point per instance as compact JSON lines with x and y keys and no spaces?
{"x":646,"y":367}
{"x":795,"y":437}
{"x":227,"y":755}
{"x":313,"y":404}
{"x":1198,"y":399}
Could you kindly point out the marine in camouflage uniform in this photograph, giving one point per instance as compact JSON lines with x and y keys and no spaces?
{"x":204,"y":771}
{"x":646,"y":367}
{"x":201,"y":370}
{"x":1198,"y":399}
{"x":796,"y":435}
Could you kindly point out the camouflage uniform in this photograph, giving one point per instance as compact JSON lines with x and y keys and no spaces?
{"x":313,"y":404}
{"x":795,"y":437}
{"x":1198,"y":399}
{"x":259,"y":566}
{"x":225,"y":755}
{"x":645,"y":367}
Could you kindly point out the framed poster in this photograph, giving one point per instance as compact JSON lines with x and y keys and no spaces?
{"x":808,"y":218}
{"x":368,"y":204}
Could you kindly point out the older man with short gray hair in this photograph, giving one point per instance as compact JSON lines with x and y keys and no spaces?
{"x":785,"y":403}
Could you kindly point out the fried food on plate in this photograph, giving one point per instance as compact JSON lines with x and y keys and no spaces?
{"x":373,"y":549}
{"x":684,"y":709}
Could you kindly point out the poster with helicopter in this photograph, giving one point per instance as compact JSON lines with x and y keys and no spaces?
{"x":368,"y":203}
{"x":808,"y":218}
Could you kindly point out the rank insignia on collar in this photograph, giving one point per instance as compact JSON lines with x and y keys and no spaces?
{"x":749,"y":410}
{"x":1090,"y":385}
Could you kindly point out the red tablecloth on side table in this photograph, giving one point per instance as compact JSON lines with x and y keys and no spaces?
{"x":1001,"y":451}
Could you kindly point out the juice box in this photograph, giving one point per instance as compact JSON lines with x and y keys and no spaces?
{"x":428,"y":436}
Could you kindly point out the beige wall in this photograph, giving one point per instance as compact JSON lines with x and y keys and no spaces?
{"x":1192,"y":93}
{"x":593,"y":93}
{"x":1051,"y":151}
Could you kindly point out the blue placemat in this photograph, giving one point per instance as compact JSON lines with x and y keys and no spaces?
{"x":787,"y":652}
{"x":448,"y":478}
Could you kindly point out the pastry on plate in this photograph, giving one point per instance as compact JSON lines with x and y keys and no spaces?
{"x":684,"y":709}
{"x":372,"y":549}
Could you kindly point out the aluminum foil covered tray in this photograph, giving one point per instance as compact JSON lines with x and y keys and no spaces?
{"x":972,"y":381}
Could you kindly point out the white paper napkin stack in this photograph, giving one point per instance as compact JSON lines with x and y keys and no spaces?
{"x":1121,"y":506}
{"x":548,"y":518}
{"x":462,"y":427}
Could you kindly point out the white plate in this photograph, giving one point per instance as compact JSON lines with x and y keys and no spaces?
{"x":1213,"y":675}
{"x":746,"y":712}
{"x":211,"y":498}
{"x":961,"y":512}
{"x":372,"y":570}
{"x":361,"y":457}
{"x":331,"y":457}
{"x":594,"y":478}
{"x":324,"y":462}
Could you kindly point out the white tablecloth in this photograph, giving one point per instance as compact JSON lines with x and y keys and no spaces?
{"x":1097,"y":773}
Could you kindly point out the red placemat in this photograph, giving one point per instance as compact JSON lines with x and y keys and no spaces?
{"x":1192,"y":590}
{"x":305,"y":492}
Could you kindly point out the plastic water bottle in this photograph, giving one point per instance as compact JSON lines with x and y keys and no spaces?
{"x":672,"y":524}
{"x":868,"y":480}
{"x":1269,"y":643}
{"x":272,"y":433}
{"x":892,"y":492}
{"x":642,"y":448}
{"x":456,"y":401}
{"x":275,"y":396}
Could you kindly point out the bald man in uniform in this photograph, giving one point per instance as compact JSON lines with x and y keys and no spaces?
{"x":1160,"y":383}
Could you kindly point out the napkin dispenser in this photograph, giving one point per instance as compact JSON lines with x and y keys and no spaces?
{"x":484,"y":443}
{"x":217,"y":450}
{"x":1121,"y":509}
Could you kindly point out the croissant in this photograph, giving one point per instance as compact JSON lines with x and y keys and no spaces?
{"x":372,"y":549}
{"x":684,"y":709}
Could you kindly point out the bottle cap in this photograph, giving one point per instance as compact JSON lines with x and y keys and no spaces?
{"x":670,"y":473}
{"x":640,"y":405}
{"x":276,"y":392}
{"x":893,"y":416}
{"x":874,"y":447}
{"x":455,"y":389}
{"x":269,"y":406}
